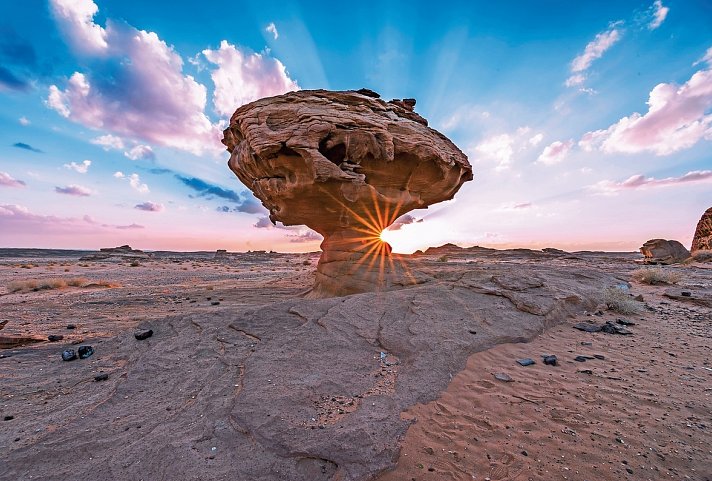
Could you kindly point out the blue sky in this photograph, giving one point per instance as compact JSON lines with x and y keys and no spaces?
{"x":588,"y":124}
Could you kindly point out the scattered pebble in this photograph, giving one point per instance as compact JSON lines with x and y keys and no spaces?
{"x":143,"y":334}
{"x":8,"y":418}
{"x":101,"y":377}
{"x":550,"y":360}
{"x":69,"y":355}
{"x":500,"y":376}
{"x":526,"y":362}
{"x":55,"y":337}
{"x":85,"y":351}
{"x":71,"y":326}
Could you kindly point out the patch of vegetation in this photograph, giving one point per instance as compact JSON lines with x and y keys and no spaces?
{"x":58,"y":283}
{"x":135,"y":264}
{"x":443,"y":259}
{"x":656,"y":275}
{"x":620,"y":301}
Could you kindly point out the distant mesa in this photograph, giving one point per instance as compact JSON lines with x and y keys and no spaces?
{"x":346,"y":164}
{"x":220,"y":254}
{"x":702,"y":240}
{"x":116,"y":253}
{"x":661,"y":251}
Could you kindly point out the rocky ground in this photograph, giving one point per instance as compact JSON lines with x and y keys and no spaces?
{"x":244,"y":379}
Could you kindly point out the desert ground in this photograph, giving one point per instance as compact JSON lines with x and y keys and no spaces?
{"x":245,"y":379}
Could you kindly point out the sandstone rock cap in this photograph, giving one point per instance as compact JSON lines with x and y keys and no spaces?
{"x":702,"y":239}
{"x":341,"y":160}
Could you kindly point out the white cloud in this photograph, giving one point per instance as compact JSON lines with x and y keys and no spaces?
{"x":77,"y":22}
{"x":134,"y":181}
{"x":659,"y":13}
{"x":6,"y":180}
{"x":24,"y":121}
{"x":502,"y":148}
{"x":706,"y":58}
{"x":555,"y":152}
{"x":272,"y":28}
{"x":639,"y":181}
{"x":576,"y":79}
{"x":241,"y":77}
{"x":154,"y":101}
{"x":81,"y":168}
{"x":108,"y":142}
{"x":119,"y":175}
{"x":140,"y":152}
{"x":150,"y":207}
{"x":677,"y":118}
{"x":536,"y":140}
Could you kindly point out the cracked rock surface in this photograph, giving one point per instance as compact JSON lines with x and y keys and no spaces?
{"x":346,"y":164}
{"x":298,"y":389}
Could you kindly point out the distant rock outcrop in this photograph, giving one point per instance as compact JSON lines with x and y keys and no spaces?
{"x":702,"y":240}
{"x":347,"y":164}
{"x":661,"y":251}
{"x":121,"y":252}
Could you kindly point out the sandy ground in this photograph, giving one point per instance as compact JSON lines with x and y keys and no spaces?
{"x":644,"y":411}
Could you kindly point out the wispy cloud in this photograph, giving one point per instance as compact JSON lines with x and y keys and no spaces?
{"x":241,"y":77}
{"x":594,"y":50}
{"x":639,"y":181}
{"x":305,"y":237}
{"x":6,"y":180}
{"x":150,"y":207}
{"x":134,"y":181}
{"x":24,"y":121}
{"x":20,"y":221}
{"x":75,"y":190}
{"x":272,"y":28}
{"x":403,"y":220}
{"x":82,"y":168}
{"x":555,"y":152}
{"x":658,"y":14}
{"x":24,"y":146}
{"x":244,"y":203}
{"x":502,"y":148}
{"x":677,"y":118}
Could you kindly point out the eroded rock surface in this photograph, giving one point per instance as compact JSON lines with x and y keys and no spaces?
{"x":702,"y":239}
{"x":346,"y":164}
{"x":661,"y":251}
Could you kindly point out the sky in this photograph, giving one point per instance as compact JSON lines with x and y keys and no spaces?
{"x":588,"y":124}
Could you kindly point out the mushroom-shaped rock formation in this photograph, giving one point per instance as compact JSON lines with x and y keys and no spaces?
{"x":346,"y":164}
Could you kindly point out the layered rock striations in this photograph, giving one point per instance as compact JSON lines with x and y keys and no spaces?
{"x":661,"y":251}
{"x":346,"y":164}
{"x":702,"y":240}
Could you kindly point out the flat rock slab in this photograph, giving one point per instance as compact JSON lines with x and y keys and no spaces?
{"x":304,"y":390}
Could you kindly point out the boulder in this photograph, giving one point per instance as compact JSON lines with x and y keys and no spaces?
{"x":346,"y":164}
{"x":661,"y":251}
{"x":702,"y":240}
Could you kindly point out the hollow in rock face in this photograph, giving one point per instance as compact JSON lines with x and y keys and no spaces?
{"x":346,"y":164}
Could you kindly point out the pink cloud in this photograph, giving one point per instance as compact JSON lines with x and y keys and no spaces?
{"x":677,"y":118}
{"x":594,"y":50}
{"x":140,"y":152}
{"x":154,"y":101}
{"x":241,"y":77}
{"x":150,"y":207}
{"x":555,"y":152}
{"x":75,"y":190}
{"x":6,"y":180}
{"x":639,"y":181}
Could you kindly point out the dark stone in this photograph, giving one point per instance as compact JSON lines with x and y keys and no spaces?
{"x":610,"y":328}
{"x":101,"y":377}
{"x":550,"y":360}
{"x":580,"y":358}
{"x":686,"y":293}
{"x":585,"y":371}
{"x":85,"y":351}
{"x":526,"y":362}
{"x":630,"y":471}
{"x":599,"y":356}
{"x":55,"y":337}
{"x":369,"y":93}
{"x":69,"y":355}
{"x":71,"y":326}
{"x":584,"y":343}
{"x":625,"y":322}
{"x":8,"y":418}
{"x":587,"y":327}
{"x":143,"y":334}
{"x":215,"y":303}
{"x":524,"y":453}
{"x":500,"y":376}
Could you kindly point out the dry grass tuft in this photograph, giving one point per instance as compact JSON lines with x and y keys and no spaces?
{"x":57,"y":283}
{"x":656,"y":275}
{"x":620,"y":301}
{"x":442,"y":259}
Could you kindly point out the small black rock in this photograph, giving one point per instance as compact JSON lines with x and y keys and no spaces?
{"x":101,"y":377}
{"x":686,"y":294}
{"x":55,"y":337}
{"x":215,"y":303}
{"x":587,"y":327}
{"x":625,"y":322}
{"x":143,"y":334}
{"x":630,"y":471}
{"x":599,"y":356}
{"x":71,"y":326}
{"x":69,"y":355}
{"x":8,"y":418}
{"x":550,"y":360}
{"x":580,"y":359}
{"x":585,"y":371}
{"x":524,"y":453}
{"x":526,"y":362}
{"x":85,"y":351}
